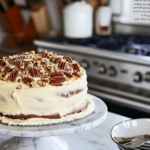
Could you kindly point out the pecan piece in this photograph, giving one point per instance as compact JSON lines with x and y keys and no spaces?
{"x":67,"y":59}
{"x":34,"y":72}
{"x":76,"y":67}
{"x":68,"y":74}
{"x":42,"y":83}
{"x":14,"y":75}
{"x":18,"y":80}
{"x":56,"y":84}
{"x":19,"y":87}
{"x":74,"y":73}
{"x":57,"y":60}
{"x":21,"y":70}
{"x":62,"y":65}
{"x":11,"y":61}
{"x":29,"y":81}
{"x":2,"y":62}
{"x":46,"y":54}
{"x":18,"y":63}
{"x":56,"y":74}
{"x":38,"y":59}
{"x":57,"y":77}
{"x":7,"y":69}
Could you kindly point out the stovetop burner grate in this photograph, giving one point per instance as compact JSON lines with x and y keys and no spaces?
{"x":131,"y":44}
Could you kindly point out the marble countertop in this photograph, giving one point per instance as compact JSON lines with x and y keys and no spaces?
{"x":94,"y":139}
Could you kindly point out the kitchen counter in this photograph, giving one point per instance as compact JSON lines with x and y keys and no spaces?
{"x":94,"y":139}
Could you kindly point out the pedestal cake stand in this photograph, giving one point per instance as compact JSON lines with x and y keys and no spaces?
{"x":46,"y":137}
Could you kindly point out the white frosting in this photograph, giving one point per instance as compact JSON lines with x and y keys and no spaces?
{"x":41,"y":121}
{"x":42,"y":100}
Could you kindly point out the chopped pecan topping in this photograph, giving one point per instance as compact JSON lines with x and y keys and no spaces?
{"x":45,"y":80}
{"x":28,"y":60}
{"x":7,"y":69}
{"x":45,"y":54}
{"x":74,"y":73}
{"x":2,"y":62}
{"x":68,"y":74}
{"x":34,"y":72}
{"x":56,"y":84}
{"x":28,"y":81}
{"x":42,"y":83}
{"x":67,"y":59}
{"x":76,"y":67}
{"x":32,"y":52}
{"x":45,"y":66}
{"x":18,"y":80}
{"x":11,"y":61}
{"x":57,"y":60}
{"x":21,"y":70}
{"x":19,"y":87}
{"x":38,"y":59}
{"x":14,"y":75}
{"x":18,"y":63}
{"x":26,"y":53}
{"x":62,"y":65}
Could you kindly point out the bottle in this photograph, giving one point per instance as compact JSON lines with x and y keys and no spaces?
{"x":103,"y":21}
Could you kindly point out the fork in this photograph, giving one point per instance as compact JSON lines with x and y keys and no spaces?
{"x":132,"y":142}
{"x":123,"y":139}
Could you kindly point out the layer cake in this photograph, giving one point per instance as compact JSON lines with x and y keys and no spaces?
{"x":45,"y":88}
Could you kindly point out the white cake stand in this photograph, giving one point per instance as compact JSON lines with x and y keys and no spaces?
{"x":45,"y":137}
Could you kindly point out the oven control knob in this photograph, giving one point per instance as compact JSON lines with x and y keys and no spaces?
{"x":137,"y":77}
{"x":147,"y":76}
{"x":101,"y":69}
{"x":84,"y":64}
{"x":112,"y":72}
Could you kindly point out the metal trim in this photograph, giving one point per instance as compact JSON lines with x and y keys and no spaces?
{"x":98,"y":53}
{"x":123,"y":101}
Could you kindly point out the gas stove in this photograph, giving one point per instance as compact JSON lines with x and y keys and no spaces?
{"x":130,"y":44}
{"x":118,"y":66}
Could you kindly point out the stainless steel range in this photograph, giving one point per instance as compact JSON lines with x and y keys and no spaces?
{"x":118,"y":67}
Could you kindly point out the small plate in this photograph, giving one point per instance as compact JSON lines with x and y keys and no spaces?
{"x":130,"y":128}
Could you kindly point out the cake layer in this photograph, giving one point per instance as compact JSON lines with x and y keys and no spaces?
{"x":44,"y":121}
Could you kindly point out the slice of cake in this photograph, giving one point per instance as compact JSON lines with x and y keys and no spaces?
{"x":44,"y":88}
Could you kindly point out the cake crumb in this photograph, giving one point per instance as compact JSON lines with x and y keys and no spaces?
{"x":94,"y":111}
